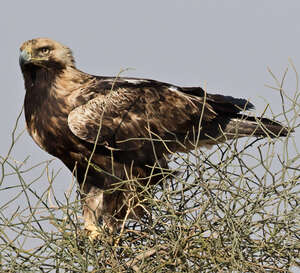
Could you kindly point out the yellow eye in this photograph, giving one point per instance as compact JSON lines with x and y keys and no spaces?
{"x":45,"y":50}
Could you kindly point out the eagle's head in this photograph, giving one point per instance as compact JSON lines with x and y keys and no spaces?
{"x":46,"y":53}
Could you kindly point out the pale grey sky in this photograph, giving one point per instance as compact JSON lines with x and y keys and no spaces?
{"x":223,"y":45}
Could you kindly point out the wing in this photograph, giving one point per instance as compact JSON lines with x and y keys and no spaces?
{"x":128,"y":116}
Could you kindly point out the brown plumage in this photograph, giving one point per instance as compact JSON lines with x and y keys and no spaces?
{"x":67,"y":111}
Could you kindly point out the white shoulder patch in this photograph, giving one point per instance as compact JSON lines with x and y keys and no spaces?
{"x":173,"y":88}
{"x":134,"y":81}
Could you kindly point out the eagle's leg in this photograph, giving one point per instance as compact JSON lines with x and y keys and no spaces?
{"x":92,"y":202}
{"x":113,"y":207}
{"x":96,"y":205}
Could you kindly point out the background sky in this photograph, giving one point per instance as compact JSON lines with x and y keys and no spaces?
{"x":225,"y":46}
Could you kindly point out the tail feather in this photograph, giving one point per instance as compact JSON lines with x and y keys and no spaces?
{"x":229,"y":123}
{"x":252,"y":126}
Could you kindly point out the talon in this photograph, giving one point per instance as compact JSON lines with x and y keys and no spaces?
{"x":92,"y":232}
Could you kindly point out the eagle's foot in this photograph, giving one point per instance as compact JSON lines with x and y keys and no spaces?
{"x":93,"y":232}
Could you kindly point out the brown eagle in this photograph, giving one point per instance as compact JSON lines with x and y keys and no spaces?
{"x":123,"y":126}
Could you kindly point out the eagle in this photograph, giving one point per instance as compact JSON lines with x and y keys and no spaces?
{"x":112,"y":129}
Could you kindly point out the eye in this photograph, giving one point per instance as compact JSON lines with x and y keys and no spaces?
{"x":44,"y":50}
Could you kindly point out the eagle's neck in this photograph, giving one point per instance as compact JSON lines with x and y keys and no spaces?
{"x":47,"y":102}
{"x":44,"y":86}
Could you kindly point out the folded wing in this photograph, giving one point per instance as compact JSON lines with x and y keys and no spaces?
{"x":126,"y":118}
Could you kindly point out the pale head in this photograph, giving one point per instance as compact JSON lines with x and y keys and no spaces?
{"x":45,"y":53}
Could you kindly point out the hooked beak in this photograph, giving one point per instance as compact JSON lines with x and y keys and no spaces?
{"x":24,"y":58}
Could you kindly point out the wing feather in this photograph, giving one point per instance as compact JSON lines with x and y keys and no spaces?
{"x":127,"y":117}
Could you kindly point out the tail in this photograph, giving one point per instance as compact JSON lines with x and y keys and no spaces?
{"x":230,"y":123}
{"x":243,"y":125}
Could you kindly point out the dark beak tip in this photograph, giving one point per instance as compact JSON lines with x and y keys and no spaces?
{"x":21,"y":61}
{"x":24,"y":58}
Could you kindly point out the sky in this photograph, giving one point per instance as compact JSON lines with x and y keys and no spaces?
{"x":224,"y":46}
